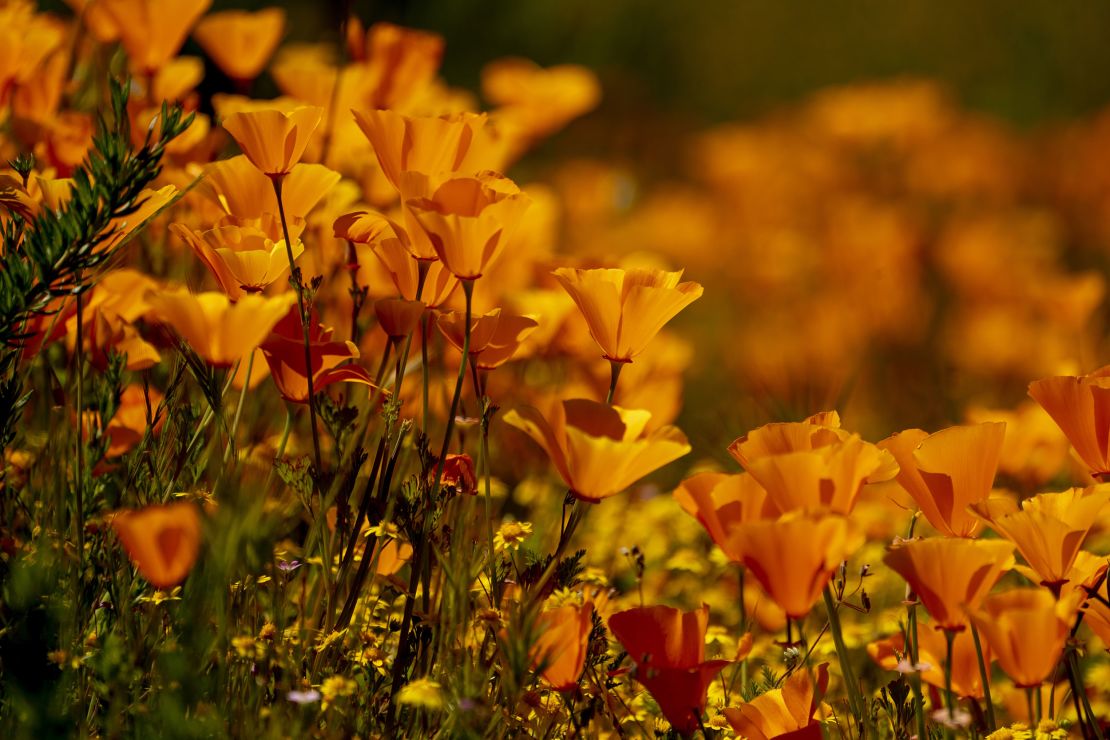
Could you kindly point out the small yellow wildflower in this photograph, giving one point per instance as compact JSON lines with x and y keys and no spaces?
{"x":1049,"y":730}
{"x":423,"y":692}
{"x":329,"y":640}
{"x":158,"y":597}
{"x":268,"y":631}
{"x":510,"y":535}
{"x":247,"y":647}
{"x":335,"y":687}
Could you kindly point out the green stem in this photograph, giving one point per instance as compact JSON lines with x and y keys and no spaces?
{"x":949,"y":700}
{"x":483,"y":456}
{"x":984,"y":678}
{"x":79,"y":476}
{"x":298,"y":287}
{"x":239,"y":407}
{"x":919,"y":697}
{"x":855,"y":696}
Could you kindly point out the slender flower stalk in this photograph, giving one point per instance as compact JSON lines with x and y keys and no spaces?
{"x":984,"y":677}
{"x":614,"y":375}
{"x":298,"y":286}
{"x":855,"y":697}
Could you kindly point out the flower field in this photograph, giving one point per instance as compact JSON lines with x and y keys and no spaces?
{"x":361,"y":410}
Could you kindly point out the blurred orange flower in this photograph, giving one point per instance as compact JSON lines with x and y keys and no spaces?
{"x":1048,"y":529}
{"x":625,"y":309}
{"x":564,"y":634}
{"x":494,"y":337}
{"x":720,"y":502}
{"x":947,"y":471}
{"x":535,"y":102}
{"x":284,"y":352}
{"x":932,"y":653}
{"x":950,"y":575}
{"x":1026,"y":628}
{"x":599,"y":450}
{"x":271,"y":139}
{"x":239,"y":42}
{"x":128,"y":425}
{"x":220,"y":331}
{"x":668,"y":647}
{"x":161,"y":540}
{"x":788,"y":711}
{"x":1080,"y":406}
{"x":793,"y":557}
{"x":152,"y":31}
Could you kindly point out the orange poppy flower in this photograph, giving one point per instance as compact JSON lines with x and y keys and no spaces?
{"x":284,"y":352}
{"x":391,"y":247}
{"x":793,"y":557}
{"x":494,"y":337}
{"x":947,"y":471}
{"x":243,"y":259}
{"x":1087,"y":573}
{"x":535,"y":102}
{"x":1080,"y":406}
{"x":778,"y":438}
{"x":398,"y":317}
{"x":220,"y":331}
{"x":599,"y":450}
{"x":950,"y":575}
{"x":1035,"y":450}
{"x":625,"y":309}
{"x":1097,"y":617}
{"x":110,"y":312}
{"x":239,"y":42}
{"x":932,"y":653}
{"x":1048,"y":529}
{"x":787,"y":711}
{"x":668,"y":647}
{"x":162,"y":541}
{"x":128,"y":425}
{"x":720,"y":502}
{"x":1027,"y":629}
{"x":827,"y":477}
{"x":456,"y":143}
{"x":402,"y":62}
{"x":246,"y":195}
{"x":271,"y":139}
{"x":152,"y":31}
{"x":467,"y":220}
{"x":560,"y":648}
